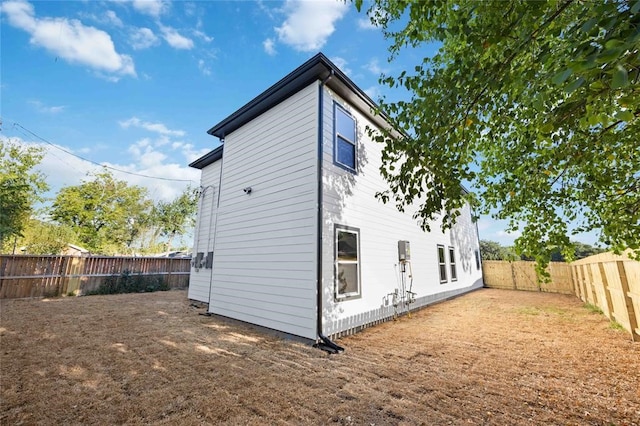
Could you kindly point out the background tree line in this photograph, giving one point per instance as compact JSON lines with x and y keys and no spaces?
{"x":492,"y":250}
{"x":102,"y":214}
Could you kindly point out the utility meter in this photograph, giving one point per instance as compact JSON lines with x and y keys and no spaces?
{"x":404,"y":252}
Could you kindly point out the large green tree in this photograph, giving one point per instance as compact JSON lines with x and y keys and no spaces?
{"x":107,"y":214}
{"x":176,"y":217}
{"x":535,"y":103}
{"x":20,"y":186}
{"x":40,"y":237}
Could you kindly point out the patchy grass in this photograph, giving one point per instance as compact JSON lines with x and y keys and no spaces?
{"x":593,"y":309}
{"x":615,"y":325}
{"x":150,"y":358}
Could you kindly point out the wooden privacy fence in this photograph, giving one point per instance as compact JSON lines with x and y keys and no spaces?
{"x":50,"y":276}
{"x":612,"y":283}
{"x":521,"y":275}
{"x":608,"y":281}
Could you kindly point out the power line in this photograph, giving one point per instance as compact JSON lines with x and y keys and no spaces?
{"x":95,"y":163}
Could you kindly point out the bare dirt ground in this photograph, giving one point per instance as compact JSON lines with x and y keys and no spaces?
{"x":490,"y":357}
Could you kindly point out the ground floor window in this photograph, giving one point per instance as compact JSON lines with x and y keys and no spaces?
{"x":452,"y":264}
{"x":347,"y":255}
{"x":442,"y":264}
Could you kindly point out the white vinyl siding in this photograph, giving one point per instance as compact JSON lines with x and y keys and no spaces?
{"x":266,"y":242}
{"x":349,"y":200}
{"x":200,"y":277}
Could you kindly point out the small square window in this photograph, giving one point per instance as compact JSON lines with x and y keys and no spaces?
{"x":347,"y":247}
{"x":344,"y":138}
{"x":442,"y":264}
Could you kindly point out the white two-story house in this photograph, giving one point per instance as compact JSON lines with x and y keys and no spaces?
{"x":290,"y":235}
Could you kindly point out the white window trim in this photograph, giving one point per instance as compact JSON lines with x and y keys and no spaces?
{"x":453,"y":266}
{"x":356,"y":294}
{"x":336,"y":134}
{"x":444,"y":263}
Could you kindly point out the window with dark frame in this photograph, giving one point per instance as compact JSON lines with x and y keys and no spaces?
{"x":452,"y":264}
{"x":347,"y":246}
{"x":442,"y":264}
{"x":345,"y":138}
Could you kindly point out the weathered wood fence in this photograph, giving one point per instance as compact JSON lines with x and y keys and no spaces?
{"x":50,"y":276}
{"x":608,"y":281}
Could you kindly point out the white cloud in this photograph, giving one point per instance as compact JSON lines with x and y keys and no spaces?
{"x":70,"y":40}
{"x":190,"y":9}
{"x":268,"y":45}
{"x":145,"y":154}
{"x":310,"y":23}
{"x":204,"y":69}
{"x":365,"y":24}
{"x":202,"y":36}
{"x":153,"y":8}
{"x":151,"y":127}
{"x":509,"y":234}
{"x":342,"y":64}
{"x":111,"y":17}
{"x":142,"y":38}
{"x":62,"y":169}
{"x":174,"y":39}
{"x":373,"y":92}
{"x":40,"y":107}
{"x":374,"y":67}
{"x":374,"y":19}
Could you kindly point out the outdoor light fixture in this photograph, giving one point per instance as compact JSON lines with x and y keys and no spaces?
{"x":247,"y":190}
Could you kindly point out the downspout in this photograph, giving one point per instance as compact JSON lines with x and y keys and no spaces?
{"x":215,"y":223}
{"x":325,"y":344}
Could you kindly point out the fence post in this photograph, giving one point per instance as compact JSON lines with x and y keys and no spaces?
{"x":633,"y":322}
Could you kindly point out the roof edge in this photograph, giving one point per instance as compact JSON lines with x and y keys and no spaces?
{"x":208,"y":158}
{"x":316,"y":68}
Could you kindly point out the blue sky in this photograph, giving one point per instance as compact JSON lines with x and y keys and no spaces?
{"x":136,"y":84}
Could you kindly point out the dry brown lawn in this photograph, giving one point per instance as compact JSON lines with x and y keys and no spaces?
{"x":490,"y":357}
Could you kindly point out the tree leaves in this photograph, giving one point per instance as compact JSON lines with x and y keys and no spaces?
{"x":20,"y":186}
{"x":540,"y":99}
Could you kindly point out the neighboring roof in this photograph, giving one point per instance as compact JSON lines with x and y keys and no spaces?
{"x":207,"y":159}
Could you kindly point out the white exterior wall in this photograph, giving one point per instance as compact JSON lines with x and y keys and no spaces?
{"x":200,"y":277}
{"x":264,"y":268}
{"x":349,"y":200}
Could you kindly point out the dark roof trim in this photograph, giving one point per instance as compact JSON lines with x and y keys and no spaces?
{"x":316,"y":68}
{"x":207,"y":159}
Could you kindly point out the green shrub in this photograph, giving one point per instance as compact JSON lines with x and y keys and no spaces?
{"x":127,"y":282}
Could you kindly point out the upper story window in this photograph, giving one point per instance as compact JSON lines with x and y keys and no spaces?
{"x":345,"y":147}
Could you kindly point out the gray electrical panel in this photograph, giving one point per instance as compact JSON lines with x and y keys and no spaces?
{"x":404,"y":251}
